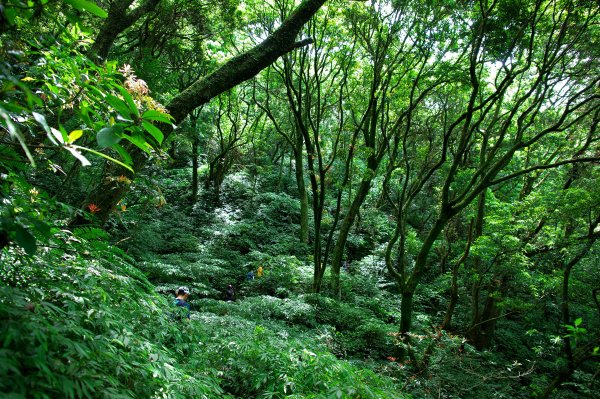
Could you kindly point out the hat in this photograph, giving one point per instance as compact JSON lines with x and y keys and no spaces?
{"x":183,"y":290}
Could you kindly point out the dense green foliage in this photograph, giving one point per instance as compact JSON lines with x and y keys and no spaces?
{"x":402,"y":195}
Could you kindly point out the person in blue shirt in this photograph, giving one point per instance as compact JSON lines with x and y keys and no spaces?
{"x":181,"y":301}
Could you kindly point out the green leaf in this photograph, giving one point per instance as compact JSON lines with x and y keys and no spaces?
{"x":107,"y":136}
{"x":123,"y":153}
{"x":41,"y":227}
{"x":85,"y":114}
{"x":25,"y":239}
{"x":577,"y":322}
{"x":154,"y":115}
{"x":10,"y":14}
{"x":41,"y":119}
{"x":84,"y":5}
{"x":76,"y":147}
{"x":154,"y":131}
{"x":129,"y":100}
{"x":120,"y":106}
{"x":15,"y":132}
{"x":139,"y":142}
{"x":74,"y":135}
{"x":56,"y":134}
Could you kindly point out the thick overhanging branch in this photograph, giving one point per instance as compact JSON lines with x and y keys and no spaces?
{"x":246,"y":65}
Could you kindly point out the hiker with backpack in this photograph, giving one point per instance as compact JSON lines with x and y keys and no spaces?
{"x":181,"y":303}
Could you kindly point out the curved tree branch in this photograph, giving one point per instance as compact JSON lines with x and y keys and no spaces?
{"x":541,"y":167}
{"x":247,"y":64}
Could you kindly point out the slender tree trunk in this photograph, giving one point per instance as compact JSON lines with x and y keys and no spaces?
{"x":574,"y":360}
{"x":486,"y":328}
{"x":406,"y":309}
{"x":453,"y":299}
{"x":302,"y":193}
{"x":420,"y":267}
{"x":173,"y":151}
{"x":454,"y":285}
{"x":476,"y":316}
{"x":300,"y":184}
{"x":365,"y":185}
{"x":4,"y":241}
{"x":340,"y":244}
{"x":195,"y":145}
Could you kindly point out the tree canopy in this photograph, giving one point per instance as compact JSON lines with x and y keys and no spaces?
{"x":415,"y":180}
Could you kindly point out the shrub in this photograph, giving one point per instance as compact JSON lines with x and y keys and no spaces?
{"x":292,"y":311}
{"x":282,"y":277}
{"x":89,"y":326}
{"x":340,"y":315}
{"x":257,"y":361}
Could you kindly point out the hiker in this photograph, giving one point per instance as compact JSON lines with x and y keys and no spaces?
{"x":181,"y":301}
{"x":259,"y":271}
{"x":250,"y":275}
{"x":230,"y":293}
{"x":345,"y":266}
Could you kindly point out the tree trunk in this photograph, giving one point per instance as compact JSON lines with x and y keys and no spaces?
{"x":111,"y":190}
{"x":406,"y":308}
{"x":453,"y":300}
{"x":195,"y":145}
{"x":484,"y":331}
{"x":302,"y":194}
{"x":420,"y":266}
{"x":340,"y":244}
{"x":573,"y":360}
{"x":246,"y":65}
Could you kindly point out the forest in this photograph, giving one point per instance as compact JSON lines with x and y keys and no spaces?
{"x":363,"y":199}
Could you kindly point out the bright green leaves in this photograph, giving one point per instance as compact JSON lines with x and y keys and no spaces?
{"x":14,"y":131}
{"x":99,"y":108}
{"x":575,"y":331}
{"x":134,"y":132}
{"x":131,"y":113}
{"x":154,"y":131}
{"x":154,"y":115}
{"x":74,"y":135}
{"x":88,"y":6}
{"x":60,"y":138}
{"x":19,"y":12}
{"x":121,"y":107}
{"x":131,"y":106}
